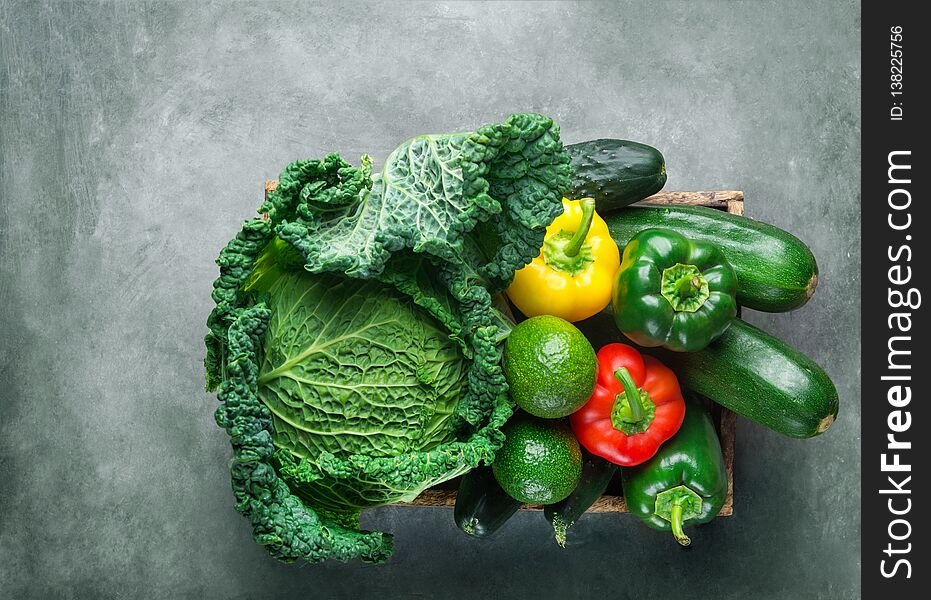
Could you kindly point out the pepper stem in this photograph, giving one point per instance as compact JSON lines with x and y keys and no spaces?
{"x":675,"y":522}
{"x":632,"y":393}
{"x":677,"y":505}
{"x":684,"y":287}
{"x":688,"y":286}
{"x":588,"y":213}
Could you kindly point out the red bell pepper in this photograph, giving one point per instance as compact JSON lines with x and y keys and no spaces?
{"x":627,"y":429}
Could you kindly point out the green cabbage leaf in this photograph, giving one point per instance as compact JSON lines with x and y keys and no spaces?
{"x":355,"y":341}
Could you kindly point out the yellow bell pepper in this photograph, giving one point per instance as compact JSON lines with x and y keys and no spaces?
{"x":573,"y":275}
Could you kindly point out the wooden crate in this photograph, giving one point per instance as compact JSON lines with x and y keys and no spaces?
{"x":725,"y":420}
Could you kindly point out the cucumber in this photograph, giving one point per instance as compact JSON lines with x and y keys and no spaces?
{"x":482,"y":507}
{"x":616,"y":173}
{"x":596,"y":474}
{"x":776,"y":272}
{"x":761,"y":378}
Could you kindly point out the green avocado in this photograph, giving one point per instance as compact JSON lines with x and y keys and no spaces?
{"x":550,"y":367}
{"x":540,"y":461}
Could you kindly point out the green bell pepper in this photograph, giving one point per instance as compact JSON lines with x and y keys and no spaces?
{"x":673,"y":292}
{"x":685,"y":483}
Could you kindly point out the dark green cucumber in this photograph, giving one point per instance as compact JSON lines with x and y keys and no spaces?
{"x":776,"y":272}
{"x":482,"y":507}
{"x":596,"y":474}
{"x":760,"y":377}
{"x":616,"y":173}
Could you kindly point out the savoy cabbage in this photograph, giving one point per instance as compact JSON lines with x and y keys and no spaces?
{"x":355,"y":342}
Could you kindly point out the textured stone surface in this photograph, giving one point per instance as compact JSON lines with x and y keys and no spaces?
{"x":135,"y":137}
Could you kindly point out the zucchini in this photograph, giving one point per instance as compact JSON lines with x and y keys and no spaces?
{"x":761,"y":378}
{"x":596,"y":474}
{"x":615,"y":173}
{"x":482,"y":507}
{"x":776,"y":272}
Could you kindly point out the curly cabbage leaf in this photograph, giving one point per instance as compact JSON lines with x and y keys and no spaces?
{"x":432,"y":190}
{"x":352,"y":368}
{"x":340,"y":392}
{"x":355,"y":368}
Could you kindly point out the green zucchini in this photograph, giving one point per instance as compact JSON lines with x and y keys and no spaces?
{"x":776,"y":272}
{"x":596,"y":474}
{"x":482,"y":507}
{"x":761,"y":378}
{"x":616,"y":173}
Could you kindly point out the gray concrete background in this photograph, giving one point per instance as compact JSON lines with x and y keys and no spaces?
{"x":134,"y":139}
